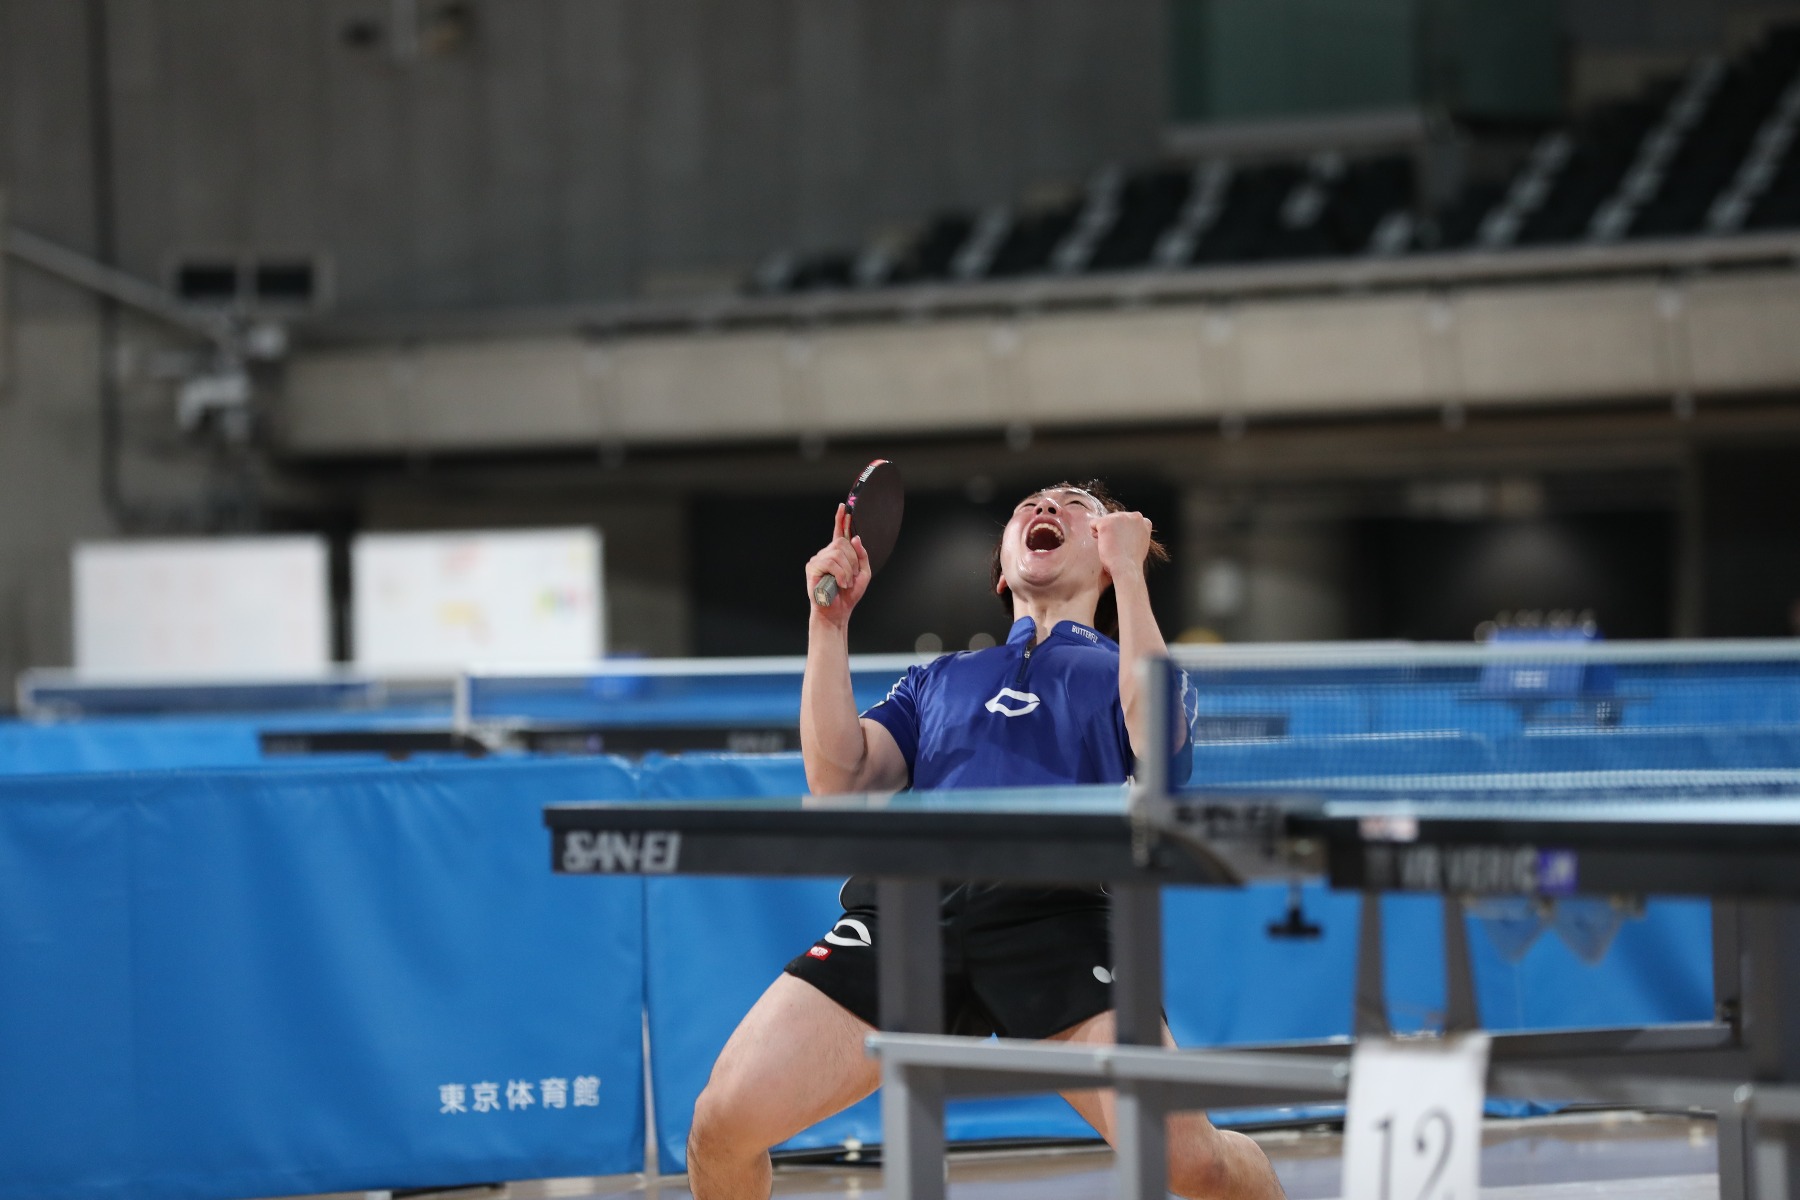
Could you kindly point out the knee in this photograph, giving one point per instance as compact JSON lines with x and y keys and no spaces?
{"x":1197,"y":1175}
{"x":721,"y":1128}
{"x":1197,"y":1167}
{"x":1209,"y":1162}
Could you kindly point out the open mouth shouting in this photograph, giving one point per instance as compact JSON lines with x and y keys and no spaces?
{"x":1044,"y":535}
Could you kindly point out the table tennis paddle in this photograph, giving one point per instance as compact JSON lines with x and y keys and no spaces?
{"x":875,"y":505}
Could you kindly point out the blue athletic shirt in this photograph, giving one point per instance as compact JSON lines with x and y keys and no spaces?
{"x":1018,"y":715}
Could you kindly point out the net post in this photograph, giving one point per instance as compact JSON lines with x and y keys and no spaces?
{"x":1154,"y":690}
{"x":1150,"y":804}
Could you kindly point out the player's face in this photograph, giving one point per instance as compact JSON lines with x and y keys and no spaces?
{"x":1050,"y":540}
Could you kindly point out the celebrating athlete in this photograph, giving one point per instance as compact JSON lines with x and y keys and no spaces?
{"x":1058,"y":703}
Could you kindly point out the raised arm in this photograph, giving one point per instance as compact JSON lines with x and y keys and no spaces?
{"x":842,"y":751}
{"x":1124,"y":539}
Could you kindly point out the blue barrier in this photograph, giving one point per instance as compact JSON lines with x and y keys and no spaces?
{"x":106,"y":744}
{"x":1658,"y":969}
{"x":221,"y":984}
{"x":254,"y":982}
{"x":138,"y":744}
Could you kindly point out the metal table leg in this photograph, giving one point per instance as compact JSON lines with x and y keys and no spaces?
{"x":1141,"y":1168}
{"x":911,"y":964}
{"x":1769,"y":941}
{"x":1462,"y":1013}
{"x":1370,"y":1013}
{"x":1728,"y":1007}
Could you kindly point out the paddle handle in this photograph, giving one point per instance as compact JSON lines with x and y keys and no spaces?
{"x":825,"y":591}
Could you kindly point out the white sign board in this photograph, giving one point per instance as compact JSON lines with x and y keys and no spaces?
{"x":203,"y":607}
{"x":1413,"y":1127}
{"x":449,"y":600}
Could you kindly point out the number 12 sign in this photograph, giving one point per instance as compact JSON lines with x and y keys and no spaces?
{"x":1413,"y":1130}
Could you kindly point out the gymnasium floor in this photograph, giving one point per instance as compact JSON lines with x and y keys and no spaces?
{"x":1581,"y":1156}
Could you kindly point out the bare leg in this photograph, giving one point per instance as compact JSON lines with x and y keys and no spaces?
{"x":796,"y":1058}
{"x":1205,"y":1163}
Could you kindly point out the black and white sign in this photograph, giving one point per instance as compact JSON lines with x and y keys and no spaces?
{"x":1413,"y":1130}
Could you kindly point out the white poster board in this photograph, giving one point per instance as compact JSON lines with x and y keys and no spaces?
{"x":449,"y":600}
{"x":203,"y":607}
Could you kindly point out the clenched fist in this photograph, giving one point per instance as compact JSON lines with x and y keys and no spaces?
{"x":1123,"y":539}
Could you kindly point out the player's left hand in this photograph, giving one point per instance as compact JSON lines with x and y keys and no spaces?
{"x":1124,"y":542}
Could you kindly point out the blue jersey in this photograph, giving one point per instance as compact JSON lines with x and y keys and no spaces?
{"x":1025,"y":714}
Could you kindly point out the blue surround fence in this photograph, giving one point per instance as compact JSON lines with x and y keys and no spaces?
{"x":280,"y":978}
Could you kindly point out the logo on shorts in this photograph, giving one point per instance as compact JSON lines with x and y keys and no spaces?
{"x":1025,"y":701}
{"x":820,"y":952}
{"x":858,"y":936}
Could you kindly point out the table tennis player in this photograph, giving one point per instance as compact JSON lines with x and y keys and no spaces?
{"x":1057,"y":703}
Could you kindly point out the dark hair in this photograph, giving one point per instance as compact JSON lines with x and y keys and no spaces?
{"x":1106,"y":612}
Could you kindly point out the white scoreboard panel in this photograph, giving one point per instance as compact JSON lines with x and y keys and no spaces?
{"x":449,"y":600}
{"x":203,"y":607}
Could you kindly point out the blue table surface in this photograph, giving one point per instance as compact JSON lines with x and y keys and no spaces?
{"x":1700,"y":799}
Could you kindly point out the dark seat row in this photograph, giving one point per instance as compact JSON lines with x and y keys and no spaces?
{"x":1713,"y":152}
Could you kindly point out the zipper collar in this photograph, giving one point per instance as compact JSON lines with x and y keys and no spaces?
{"x":1024,"y":631}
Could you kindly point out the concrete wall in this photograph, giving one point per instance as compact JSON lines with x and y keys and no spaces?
{"x":565,"y":150}
{"x":1457,"y":347}
{"x":575,"y":150}
{"x":49,"y":417}
{"x":579,"y":149}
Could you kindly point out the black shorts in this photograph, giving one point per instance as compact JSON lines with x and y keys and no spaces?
{"x":1018,"y":962}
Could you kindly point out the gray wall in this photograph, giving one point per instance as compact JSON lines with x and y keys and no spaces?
{"x":49,"y":426}
{"x":581,"y":149}
{"x":1477,"y":58}
{"x":571,"y":150}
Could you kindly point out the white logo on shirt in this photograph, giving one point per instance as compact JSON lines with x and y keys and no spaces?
{"x":859,"y":933}
{"x":1027,"y":703}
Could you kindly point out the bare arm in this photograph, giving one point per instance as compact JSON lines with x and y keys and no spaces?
{"x":1124,"y":546}
{"x":842,"y":752}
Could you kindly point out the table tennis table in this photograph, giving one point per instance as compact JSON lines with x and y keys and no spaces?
{"x":1730,"y":836}
{"x":1742,"y":848}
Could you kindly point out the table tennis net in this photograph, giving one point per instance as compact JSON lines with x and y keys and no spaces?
{"x":1560,"y":716}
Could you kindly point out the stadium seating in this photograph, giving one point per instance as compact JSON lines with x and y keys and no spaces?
{"x":1710,"y":152}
